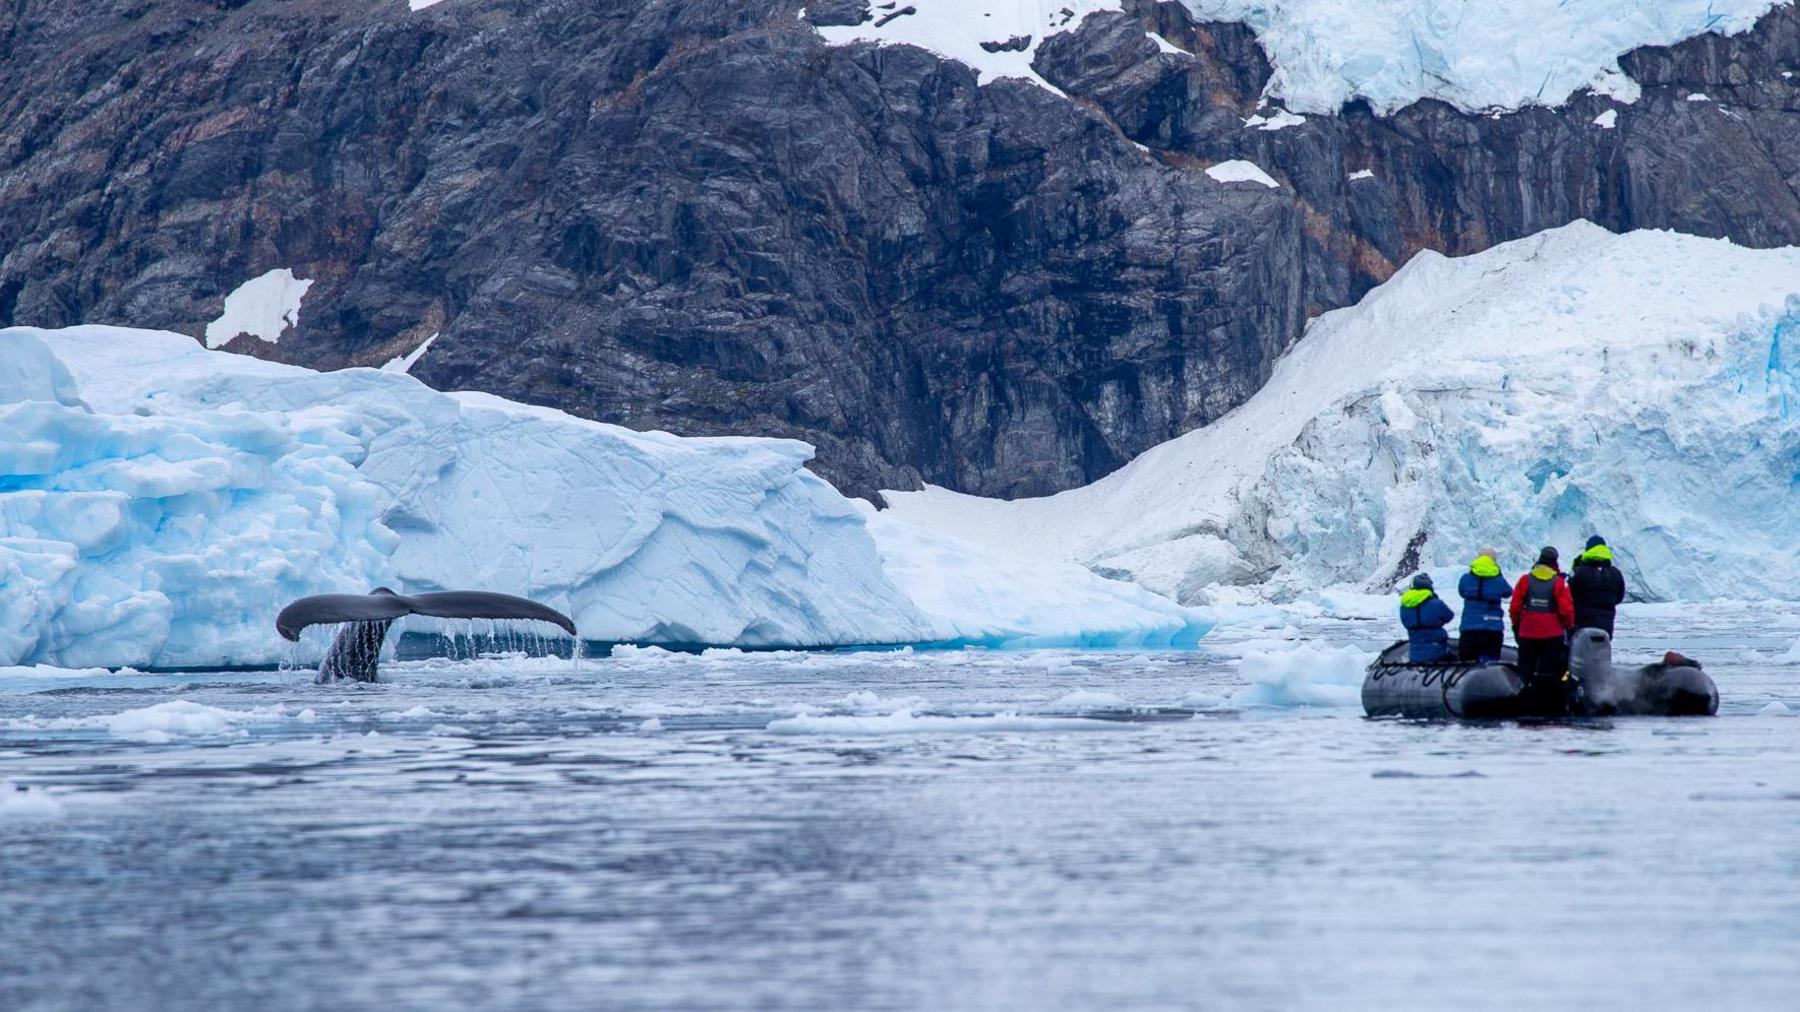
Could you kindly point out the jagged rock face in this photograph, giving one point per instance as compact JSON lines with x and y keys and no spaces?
{"x":694,"y":215}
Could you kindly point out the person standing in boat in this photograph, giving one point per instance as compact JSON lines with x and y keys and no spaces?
{"x":1598,"y":587}
{"x":1425,"y":615}
{"x":1484,"y":591}
{"x":1543,"y":612}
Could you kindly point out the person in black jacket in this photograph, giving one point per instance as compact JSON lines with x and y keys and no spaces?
{"x":1597,"y":587}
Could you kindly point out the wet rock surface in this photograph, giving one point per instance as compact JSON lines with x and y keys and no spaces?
{"x":695,"y":215}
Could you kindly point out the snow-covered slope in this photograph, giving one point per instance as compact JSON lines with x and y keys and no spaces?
{"x":1643,"y":385}
{"x":1475,"y":55}
{"x":160,"y":502}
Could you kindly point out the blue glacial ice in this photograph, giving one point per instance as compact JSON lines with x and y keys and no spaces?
{"x":159,"y":503}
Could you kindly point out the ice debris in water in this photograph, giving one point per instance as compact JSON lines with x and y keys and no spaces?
{"x":19,"y":801}
{"x":1774,"y":708}
{"x":161,"y":722}
{"x":1306,"y":674}
{"x":907,"y":722}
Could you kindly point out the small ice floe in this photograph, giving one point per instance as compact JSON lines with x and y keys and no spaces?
{"x":1698,"y":97}
{"x":907,"y":722}
{"x":18,"y":801}
{"x":1362,"y":174}
{"x":1607,"y":120}
{"x":1774,"y":708}
{"x":1304,"y":674}
{"x":651,"y":726}
{"x":1089,"y":699}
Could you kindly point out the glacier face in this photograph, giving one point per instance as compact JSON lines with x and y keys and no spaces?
{"x":1639,"y":385}
{"x":160,"y":502}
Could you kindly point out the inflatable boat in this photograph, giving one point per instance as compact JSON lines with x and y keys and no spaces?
{"x":1676,"y":686}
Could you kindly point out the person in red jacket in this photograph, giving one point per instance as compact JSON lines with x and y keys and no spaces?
{"x":1543,"y":612}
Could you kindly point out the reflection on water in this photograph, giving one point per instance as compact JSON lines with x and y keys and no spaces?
{"x":932,"y":831}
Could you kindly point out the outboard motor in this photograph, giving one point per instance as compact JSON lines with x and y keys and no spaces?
{"x":1590,"y":664}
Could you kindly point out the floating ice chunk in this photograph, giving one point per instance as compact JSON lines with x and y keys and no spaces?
{"x":906,"y":722}
{"x":1089,"y":699}
{"x":262,"y":307}
{"x":1362,"y":174}
{"x":1303,"y":675}
{"x":650,"y":726}
{"x":1773,"y":708}
{"x":1239,"y":171}
{"x":18,"y":801}
{"x":1607,"y":120}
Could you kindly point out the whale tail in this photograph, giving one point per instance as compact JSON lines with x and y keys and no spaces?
{"x":356,"y":651}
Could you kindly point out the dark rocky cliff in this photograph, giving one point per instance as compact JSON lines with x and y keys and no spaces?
{"x":694,"y":215}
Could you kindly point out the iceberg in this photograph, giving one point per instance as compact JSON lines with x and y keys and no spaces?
{"x":160,"y":502}
{"x":1645,"y":386}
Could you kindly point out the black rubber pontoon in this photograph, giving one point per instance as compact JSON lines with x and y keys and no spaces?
{"x":1673,"y":687}
{"x":356,"y":652}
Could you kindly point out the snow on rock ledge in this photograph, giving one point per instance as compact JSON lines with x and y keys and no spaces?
{"x":1646,"y":386}
{"x":160,"y":502}
{"x":997,"y":38}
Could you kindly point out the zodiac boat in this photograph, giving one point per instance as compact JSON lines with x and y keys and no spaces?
{"x":1676,"y":686}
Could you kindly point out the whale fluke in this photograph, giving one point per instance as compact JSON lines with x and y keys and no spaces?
{"x":357,"y":650}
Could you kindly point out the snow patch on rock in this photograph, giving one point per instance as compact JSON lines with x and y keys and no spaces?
{"x":404,"y":363}
{"x":1239,"y":171}
{"x":262,"y":307}
{"x":996,"y":38}
{"x":1607,"y":120}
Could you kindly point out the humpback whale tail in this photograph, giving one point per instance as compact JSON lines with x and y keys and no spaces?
{"x":357,"y":650}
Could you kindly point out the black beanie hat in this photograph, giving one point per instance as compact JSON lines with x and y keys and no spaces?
{"x":1422,"y":582}
{"x":1596,"y":541}
{"x":1548,"y":556}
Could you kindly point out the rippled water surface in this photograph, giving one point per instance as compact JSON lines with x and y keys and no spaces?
{"x":1035,"y":830}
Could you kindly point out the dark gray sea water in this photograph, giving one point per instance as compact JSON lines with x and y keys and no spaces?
{"x":973,"y":830}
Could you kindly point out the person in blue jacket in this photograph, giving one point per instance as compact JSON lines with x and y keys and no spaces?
{"x":1484,"y":592}
{"x":1425,"y":615}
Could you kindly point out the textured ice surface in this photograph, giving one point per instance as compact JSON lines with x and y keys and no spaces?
{"x":1475,"y":55}
{"x":1646,"y":386}
{"x":160,"y":503}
